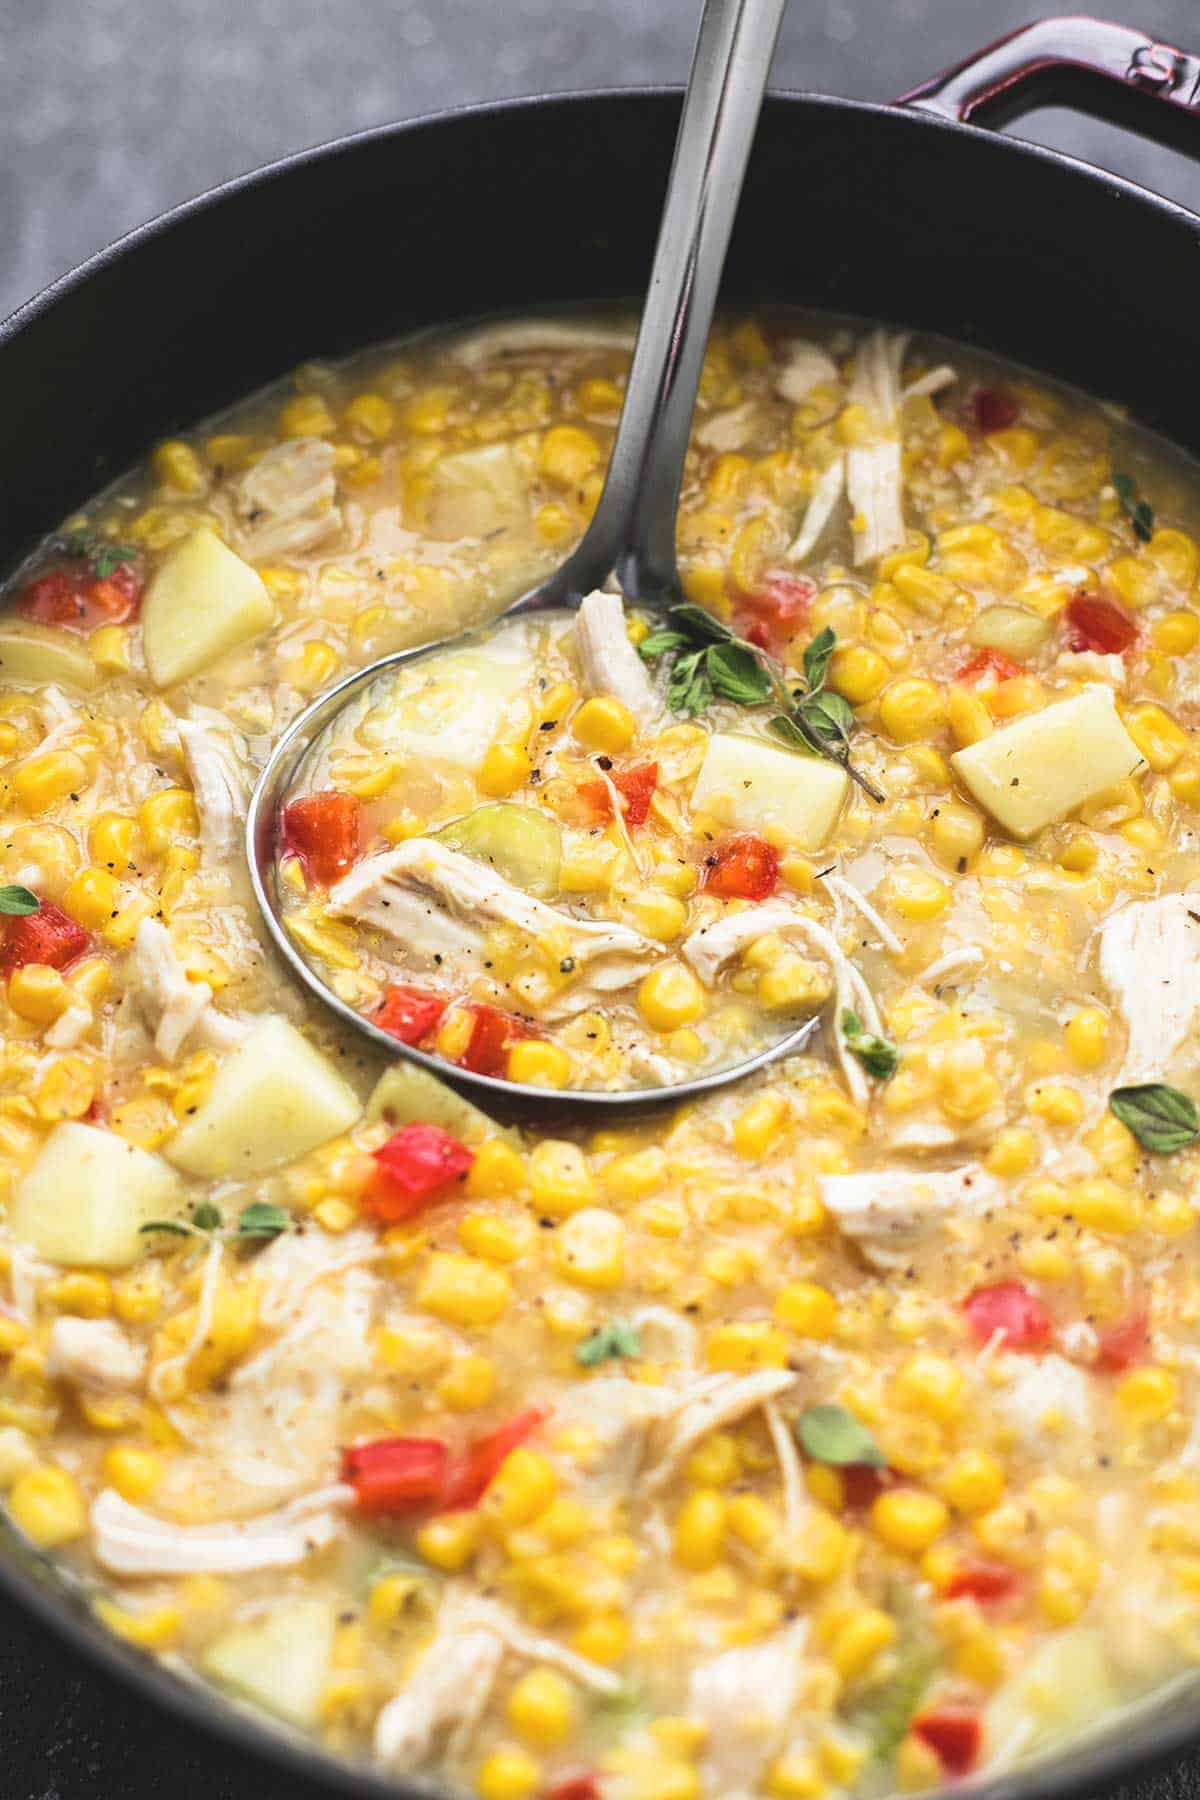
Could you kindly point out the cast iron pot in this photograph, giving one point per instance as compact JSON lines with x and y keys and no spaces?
{"x":907,"y":212}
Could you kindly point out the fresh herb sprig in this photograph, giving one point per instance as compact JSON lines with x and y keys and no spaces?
{"x":1139,"y":512}
{"x":258,"y":1220}
{"x":17,"y":902}
{"x":1162,"y":1118}
{"x":710,"y":662}
{"x":101,"y":554}
{"x":877,"y":1056}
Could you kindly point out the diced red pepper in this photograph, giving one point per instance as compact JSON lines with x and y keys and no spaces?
{"x":981,"y":1581}
{"x":69,"y":594}
{"x":46,"y":936}
{"x":1094,"y":623}
{"x":954,"y":1734}
{"x":746,"y":868}
{"x":994,"y":409}
{"x":408,"y":1013}
{"x":1123,"y":1344}
{"x":470,"y":1476}
{"x":324,"y":831}
{"x":395,"y":1476}
{"x":777,"y":609}
{"x":413,"y":1167}
{"x":989,"y":665}
{"x":862,"y":1485}
{"x":636,"y":788}
{"x":493,"y":1034}
{"x":575,"y":1787}
{"x":1009,"y":1308}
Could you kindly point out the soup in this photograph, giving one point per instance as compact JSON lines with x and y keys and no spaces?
{"x":833,"y":1434}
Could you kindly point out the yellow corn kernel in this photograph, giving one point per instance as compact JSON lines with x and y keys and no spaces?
{"x":1104,"y":1205}
{"x":912,"y":708}
{"x":916,"y":893}
{"x":753,"y":1520}
{"x":917,"y":1764}
{"x":968,"y":717}
{"x":716,"y":1460}
{"x":908,"y":1519}
{"x":497,"y":1169}
{"x":494,"y":1238}
{"x":758,"y":1124}
{"x":38,"y":993}
{"x":391,"y":1597}
{"x":859,"y":1641}
{"x":371,"y":414}
{"x":46,"y":1504}
{"x":1146,"y":1395}
{"x":670,"y":996}
{"x":86,"y":1293}
{"x":504,"y":769}
{"x":1184,"y":780}
{"x":932,"y":1384}
{"x":93,"y":897}
{"x":1061,"y":1599}
{"x":165,"y":817}
{"x":121,"y":929}
{"x":822,"y":1549}
{"x":604,"y":723}
{"x":539,"y":1064}
{"x":134,"y":1473}
{"x":1171,"y":1214}
{"x":560,"y":1178}
{"x":315,"y":665}
{"x":66,"y":1089}
{"x":109,"y":646}
{"x":746,"y":1344}
{"x":450,"y":1540}
{"x":48,"y":777}
{"x":1013,"y":1152}
{"x":469,"y":1382}
{"x":973,"y":1483}
{"x":110,"y":839}
{"x":795,"y":1776}
{"x":568,"y":454}
{"x":807,"y":1309}
{"x":305,"y":416}
{"x":700,"y":1530}
{"x":957,"y":833}
{"x":1054,"y":1102}
{"x":598,"y":398}
{"x":541,"y":1707}
{"x":657,"y":915}
{"x":589,"y":1249}
{"x":1161,"y":741}
{"x":176,"y":465}
{"x":463,"y":1290}
{"x":333,"y":1215}
{"x":156,"y":1629}
{"x":1087,"y":1037}
{"x":857,"y":674}
{"x":454,"y":1034}
{"x":1176,"y":633}
{"x":523,"y":1487}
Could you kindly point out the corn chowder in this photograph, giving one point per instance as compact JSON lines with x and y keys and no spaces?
{"x":831,"y":1436}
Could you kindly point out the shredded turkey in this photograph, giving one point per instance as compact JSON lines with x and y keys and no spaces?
{"x":1150,"y":963}
{"x":609,"y":661}
{"x":94,"y":1353}
{"x":520,"y":337}
{"x":216,"y":763}
{"x":874,"y":470}
{"x":285,"y":501}
{"x":888,"y":1211}
{"x":821,"y":506}
{"x":746,"y":1698}
{"x":438,"y":903}
{"x":807,"y":367}
{"x":174,"y":1009}
{"x":132,"y":1542}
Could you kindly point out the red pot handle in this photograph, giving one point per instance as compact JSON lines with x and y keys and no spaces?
{"x":1111,"y":70}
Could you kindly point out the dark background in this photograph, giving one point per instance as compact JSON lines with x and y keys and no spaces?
{"x":111,"y":110}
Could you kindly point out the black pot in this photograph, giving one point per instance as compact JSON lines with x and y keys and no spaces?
{"x":901,"y":212}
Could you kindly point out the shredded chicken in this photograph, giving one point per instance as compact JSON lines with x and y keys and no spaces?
{"x":874,"y":471}
{"x":746,"y":1698}
{"x":285,"y":501}
{"x":964,"y":960}
{"x":1150,"y":963}
{"x":216,"y":762}
{"x":730,"y":429}
{"x":807,"y":367}
{"x":610,"y":663}
{"x":888,"y":1211}
{"x":94,"y":1353}
{"x":519,"y":337}
{"x":132,"y":1542}
{"x":438,"y":903}
{"x":821,"y":506}
{"x":703,"y":1405}
{"x":174,"y":1009}
{"x":841,"y":889}
{"x":1046,"y":1395}
{"x":932,"y":382}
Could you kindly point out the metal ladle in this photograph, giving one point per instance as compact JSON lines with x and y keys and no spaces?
{"x":632,"y":532}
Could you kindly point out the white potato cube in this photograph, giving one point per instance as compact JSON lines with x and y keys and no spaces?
{"x":274,"y":1099}
{"x":85,"y":1199}
{"x":476,"y":492}
{"x":39,"y":654}
{"x":279,"y":1661}
{"x":202,"y":601}
{"x":449,"y":709}
{"x":406,"y":1094}
{"x":748,"y":785}
{"x":1036,"y":772}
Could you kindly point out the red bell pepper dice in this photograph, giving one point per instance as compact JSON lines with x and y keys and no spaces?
{"x":575,"y":1787}
{"x":46,"y":936}
{"x":636,"y":788}
{"x":408,"y":1013}
{"x":777,"y":609}
{"x":994,"y":409}
{"x":470,"y":1477}
{"x":1009,"y":1308}
{"x":323,"y":830}
{"x":954,"y":1734}
{"x":493,"y":1034}
{"x":415,"y":1165}
{"x":70,"y":595}
{"x":746,"y":868}
{"x":1094,"y":623}
{"x":989,"y":665}
{"x":981,"y":1581}
{"x":1123,"y":1344}
{"x":395,"y":1476}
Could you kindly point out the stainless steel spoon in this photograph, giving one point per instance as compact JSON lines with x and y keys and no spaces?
{"x":632,"y":532}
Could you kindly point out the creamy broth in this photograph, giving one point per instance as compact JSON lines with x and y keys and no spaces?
{"x":832,"y":1435}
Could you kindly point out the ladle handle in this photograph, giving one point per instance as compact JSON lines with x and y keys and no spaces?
{"x":633,"y":528}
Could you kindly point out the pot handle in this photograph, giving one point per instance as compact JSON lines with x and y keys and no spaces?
{"x":1113,"y":71}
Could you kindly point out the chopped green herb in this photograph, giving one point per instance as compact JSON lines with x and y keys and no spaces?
{"x":263,"y":1221}
{"x":832,"y":1434}
{"x":170,"y":1227}
{"x":207,"y":1217}
{"x":616,"y":1338}
{"x":877,"y":1056}
{"x":16,"y":901}
{"x":101,"y":555}
{"x":817,"y":658}
{"x":1161,"y":1118}
{"x":1139,"y":512}
{"x":886,"y":1711}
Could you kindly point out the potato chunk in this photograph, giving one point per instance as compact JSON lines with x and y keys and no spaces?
{"x":748,"y":785}
{"x":475,"y":492}
{"x":279,"y":1661}
{"x":84,"y":1201}
{"x":202,"y":601}
{"x":274,"y":1099}
{"x":39,"y":654}
{"x":1036,"y":772}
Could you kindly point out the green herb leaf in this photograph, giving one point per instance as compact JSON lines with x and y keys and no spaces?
{"x":616,"y":1338}
{"x":700,"y":625}
{"x":816,"y":659}
{"x":831,"y":1434}
{"x":102,"y":555}
{"x":736,"y":674}
{"x":16,"y":902}
{"x":659,"y":643}
{"x":689,"y":690}
{"x":172,"y":1228}
{"x":207,"y":1217}
{"x":829,"y":716}
{"x":877,"y":1056}
{"x":105,"y":560}
{"x":788,"y":730}
{"x":263,"y":1221}
{"x":1139,"y":512}
{"x":1161,"y":1118}
{"x":887,"y":1713}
